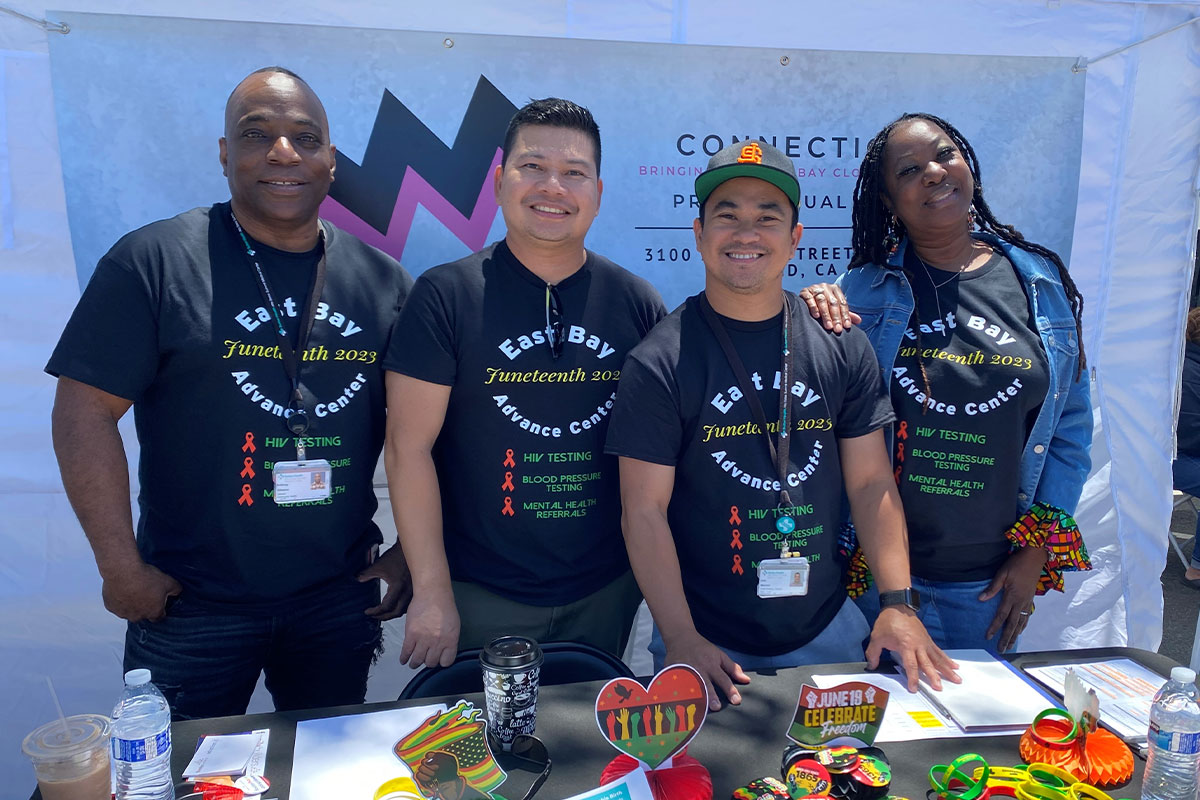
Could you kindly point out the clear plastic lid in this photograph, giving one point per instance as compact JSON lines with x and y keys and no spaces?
{"x":84,"y":733}
{"x":1183,"y":675}
{"x":137,"y":677}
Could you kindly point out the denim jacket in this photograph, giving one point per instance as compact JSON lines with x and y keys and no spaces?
{"x":1056,"y":458}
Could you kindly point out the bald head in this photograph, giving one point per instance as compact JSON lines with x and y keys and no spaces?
{"x":279,"y":80}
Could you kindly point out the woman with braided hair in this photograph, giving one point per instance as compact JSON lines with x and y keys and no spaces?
{"x":978,"y":335}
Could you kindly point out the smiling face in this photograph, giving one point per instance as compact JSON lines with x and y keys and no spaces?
{"x":928,"y":181}
{"x":276,"y":153}
{"x":747,"y":238}
{"x":548,"y":189}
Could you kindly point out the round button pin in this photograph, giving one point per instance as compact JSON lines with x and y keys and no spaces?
{"x":808,"y":778}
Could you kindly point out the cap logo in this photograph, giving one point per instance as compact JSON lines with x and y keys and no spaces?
{"x":751,"y":154}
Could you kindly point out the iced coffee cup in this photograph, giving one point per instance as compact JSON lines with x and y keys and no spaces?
{"x":72,"y":763}
{"x":511,"y":668}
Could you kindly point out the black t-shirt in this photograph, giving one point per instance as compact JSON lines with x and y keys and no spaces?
{"x":530,"y":504}
{"x":958,"y":446}
{"x":680,"y":405}
{"x":1188,"y":429}
{"x":172,"y":320}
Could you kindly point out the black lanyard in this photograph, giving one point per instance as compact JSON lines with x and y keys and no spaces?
{"x":778,"y":455}
{"x":296,"y":420}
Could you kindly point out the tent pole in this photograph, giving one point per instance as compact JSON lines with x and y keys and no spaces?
{"x":1083,"y":62}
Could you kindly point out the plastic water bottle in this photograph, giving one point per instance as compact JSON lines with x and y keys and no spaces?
{"x":1174,"y":739}
{"x":141,"y":741}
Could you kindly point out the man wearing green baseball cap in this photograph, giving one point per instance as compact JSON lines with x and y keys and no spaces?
{"x":739,"y":421}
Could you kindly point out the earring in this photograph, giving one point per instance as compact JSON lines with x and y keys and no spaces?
{"x":971,"y":225}
{"x":891,"y":242}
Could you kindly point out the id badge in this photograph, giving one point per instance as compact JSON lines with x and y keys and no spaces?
{"x":783,"y":577}
{"x":302,"y":481}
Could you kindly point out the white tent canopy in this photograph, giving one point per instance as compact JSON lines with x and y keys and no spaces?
{"x":1131,"y":258}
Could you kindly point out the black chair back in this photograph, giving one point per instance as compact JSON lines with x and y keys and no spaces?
{"x":566,"y":662}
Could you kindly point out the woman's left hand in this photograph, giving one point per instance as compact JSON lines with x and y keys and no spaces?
{"x":1017,"y":579}
{"x":828,"y":306}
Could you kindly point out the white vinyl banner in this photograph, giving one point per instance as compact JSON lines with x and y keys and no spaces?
{"x":418,"y":119}
{"x":120,"y":128}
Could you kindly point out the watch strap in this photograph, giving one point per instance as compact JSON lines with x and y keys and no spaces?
{"x":901,"y":597}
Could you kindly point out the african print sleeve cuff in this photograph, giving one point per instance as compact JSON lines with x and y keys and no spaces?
{"x":858,"y":575}
{"x":1055,"y":530}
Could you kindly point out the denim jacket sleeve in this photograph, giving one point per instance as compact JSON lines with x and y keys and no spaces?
{"x":1057,"y":456}
{"x":1068,"y":456}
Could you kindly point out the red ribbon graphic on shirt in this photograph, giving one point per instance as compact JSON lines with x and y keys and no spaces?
{"x":900,"y":452}
{"x":508,"y":509}
{"x":737,"y":565}
{"x":508,"y":484}
{"x":245,"y":499}
{"x":734,"y":519}
{"x":508,"y":459}
{"x":247,"y":467}
{"x":737,"y":540}
{"x":249,"y":445}
{"x":902,"y":431}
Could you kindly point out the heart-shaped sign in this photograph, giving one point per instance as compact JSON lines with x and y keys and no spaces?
{"x":653,"y":723}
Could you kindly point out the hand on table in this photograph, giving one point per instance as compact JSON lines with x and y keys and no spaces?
{"x":899,"y":630}
{"x":828,"y":305}
{"x":139,"y":592}
{"x":1018,"y":579}
{"x":431,"y":630}
{"x":713,"y":664}
{"x":393,"y":569}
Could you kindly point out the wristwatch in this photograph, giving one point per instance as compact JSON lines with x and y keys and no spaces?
{"x":901,"y":597}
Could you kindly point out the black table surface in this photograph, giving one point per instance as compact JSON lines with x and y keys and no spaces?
{"x":737,"y":744}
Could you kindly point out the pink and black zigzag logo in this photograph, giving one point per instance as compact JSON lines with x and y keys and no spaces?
{"x":406,"y":165}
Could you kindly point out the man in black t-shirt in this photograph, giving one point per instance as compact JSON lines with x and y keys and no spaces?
{"x":502,"y":374}
{"x":738,"y":422}
{"x":248,"y":338}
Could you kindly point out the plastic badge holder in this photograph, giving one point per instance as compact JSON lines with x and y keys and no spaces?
{"x":783,"y":577}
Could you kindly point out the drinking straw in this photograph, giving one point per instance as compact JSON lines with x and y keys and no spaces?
{"x":58,"y":706}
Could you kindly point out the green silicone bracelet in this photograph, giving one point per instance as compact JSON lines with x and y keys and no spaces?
{"x":1055,"y":712}
{"x":956,"y":770}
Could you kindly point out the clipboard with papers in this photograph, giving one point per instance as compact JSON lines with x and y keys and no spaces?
{"x":982,"y":700}
{"x":993,"y":696}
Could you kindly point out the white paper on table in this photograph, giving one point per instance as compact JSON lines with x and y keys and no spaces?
{"x":351,"y":756}
{"x":222,"y":755}
{"x":908,"y":716}
{"x":1126,"y":690}
{"x":974,"y":703}
{"x":258,"y":759}
{"x":632,"y":786}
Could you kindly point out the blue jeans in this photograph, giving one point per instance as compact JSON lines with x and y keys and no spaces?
{"x":1186,"y":474}
{"x":840,"y":642}
{"x":206,"y":660}
{"x":950,"y":611}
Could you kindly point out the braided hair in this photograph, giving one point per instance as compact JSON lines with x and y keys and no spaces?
{"x":875,"y":228}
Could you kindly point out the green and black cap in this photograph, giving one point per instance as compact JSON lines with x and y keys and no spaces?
{"x":750,"y":159}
